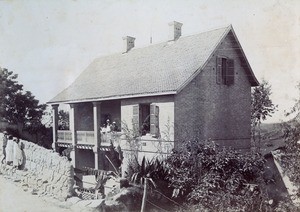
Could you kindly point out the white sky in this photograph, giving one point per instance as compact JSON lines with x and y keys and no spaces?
{"x":48,"y":43}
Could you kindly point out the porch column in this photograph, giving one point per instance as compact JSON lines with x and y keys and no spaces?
{"x":73,"y":132}
{"x":96,"y":118}
{"x":54,"y":125}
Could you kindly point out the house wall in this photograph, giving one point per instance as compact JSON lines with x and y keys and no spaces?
{"x":207,"y":110}
{"x":166,"y":113}
{"x":147,"y":146}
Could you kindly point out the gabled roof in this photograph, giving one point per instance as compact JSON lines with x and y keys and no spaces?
{"x":158,"y":69}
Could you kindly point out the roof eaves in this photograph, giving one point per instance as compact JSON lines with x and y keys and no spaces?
{"x":253,"y":80}
{"x":112,"y":97}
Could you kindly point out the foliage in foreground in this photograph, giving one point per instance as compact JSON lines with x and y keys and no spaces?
{"x":291,"y":157}
{"x":154,"y":170}
{"x":217,"y":180}
{"x":201,"y":176}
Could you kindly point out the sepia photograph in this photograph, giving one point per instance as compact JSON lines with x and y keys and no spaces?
{"x":149,"y":106}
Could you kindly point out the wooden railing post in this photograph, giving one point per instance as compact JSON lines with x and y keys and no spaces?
{"x":96,"y":118}
{"x":54,"y":125}
{"x":73,"y":134}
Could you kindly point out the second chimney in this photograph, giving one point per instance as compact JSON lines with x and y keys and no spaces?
{"x":175,"y":30}
{"x":128,"y":43}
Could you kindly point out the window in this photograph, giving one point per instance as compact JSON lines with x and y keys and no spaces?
{"x":225,"y":71}
{"x":146,"y":119}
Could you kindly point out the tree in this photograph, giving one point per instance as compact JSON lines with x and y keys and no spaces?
{"x":18,"y":106}
{"x":296,"y":108}
{"x":63,"y":120}
{"x":261,"y":106}
{"x":291,"y":157}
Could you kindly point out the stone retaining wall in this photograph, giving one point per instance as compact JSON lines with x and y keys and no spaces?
{"x":43,"y":172}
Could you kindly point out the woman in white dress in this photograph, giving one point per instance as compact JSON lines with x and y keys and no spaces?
{"x":18,"y":157}
{"x":9,"y":150}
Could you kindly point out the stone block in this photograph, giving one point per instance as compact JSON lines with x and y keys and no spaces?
{"x":69,"y":172}
{"x":56,"y":190}
{"x":39,"y":182}
{"x":63,"y":179}
{"x":31,"y":181}
{"x":45,"y":175}
{"x":46,"y":188}
{"x":33,"y":167}
{"x":34,"y":191}
{"x":57,"y":177}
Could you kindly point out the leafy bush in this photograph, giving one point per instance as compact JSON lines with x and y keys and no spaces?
{"x":217,"y":180}
{"x":201,"y":176}
{"x":290,"y":159}
{"x":155,"y":170}
{"x":287,"y":206}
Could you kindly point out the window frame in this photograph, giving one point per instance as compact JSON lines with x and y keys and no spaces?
{"x":224,"y":71}
{"x":153,"y":119}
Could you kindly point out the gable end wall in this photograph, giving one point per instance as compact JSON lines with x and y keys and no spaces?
{"x":206,"y":110}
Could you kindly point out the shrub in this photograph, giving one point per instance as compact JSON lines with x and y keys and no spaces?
{"x":158,"y":192}
{"x":155,"y":170}
{"x":290,"y":160}
{"x":217,"y":179}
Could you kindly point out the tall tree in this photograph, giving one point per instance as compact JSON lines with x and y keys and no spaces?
{"x":261,"y":107}
{"x":18,"y":106}
{"x":63,"y":120}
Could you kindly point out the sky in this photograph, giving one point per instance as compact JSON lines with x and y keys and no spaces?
{"x":49,"y":43}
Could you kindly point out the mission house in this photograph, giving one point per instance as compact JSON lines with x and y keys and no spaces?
{"x":195,"y":87}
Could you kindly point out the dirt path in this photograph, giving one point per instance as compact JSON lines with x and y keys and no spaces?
{"x":14,"y":199}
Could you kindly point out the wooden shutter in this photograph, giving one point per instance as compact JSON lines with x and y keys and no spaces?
{"x":230,"y":72}
{"x":219,"y":70}
{"x":154,"y":120}
{"x":136,"y":118}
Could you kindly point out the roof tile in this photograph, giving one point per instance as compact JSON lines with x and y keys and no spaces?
{"x":158,"y":68}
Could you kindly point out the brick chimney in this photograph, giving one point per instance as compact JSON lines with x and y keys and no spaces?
{"x":175,"y":30}
{"x":128,"y":43}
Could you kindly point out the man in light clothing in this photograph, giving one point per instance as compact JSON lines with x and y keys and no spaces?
{"x":4,"y":143}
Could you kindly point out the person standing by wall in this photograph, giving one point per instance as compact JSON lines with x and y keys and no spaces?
{"x":17,"y":153}
{"x":4,"y":144}
{"x":9,"y":150}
